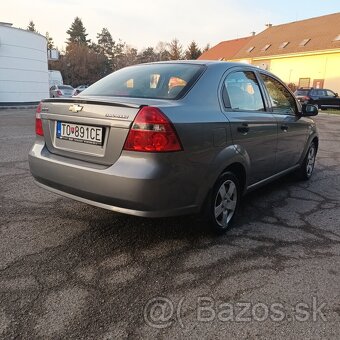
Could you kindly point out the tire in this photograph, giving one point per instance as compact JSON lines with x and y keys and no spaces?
{"x":224,"y":202}
{"x":306,"y":170}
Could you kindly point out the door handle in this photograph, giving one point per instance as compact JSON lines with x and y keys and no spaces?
{"x":284,"y":127}
{"x":244,"y":128}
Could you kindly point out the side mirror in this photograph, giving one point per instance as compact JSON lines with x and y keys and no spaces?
{"x":309,"y":110}
{"x":336,"y":95}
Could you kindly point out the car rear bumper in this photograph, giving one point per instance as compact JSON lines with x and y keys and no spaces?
{"x":132,"y":185}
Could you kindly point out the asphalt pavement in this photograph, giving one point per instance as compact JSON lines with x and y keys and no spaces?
{"x":73,"y":271}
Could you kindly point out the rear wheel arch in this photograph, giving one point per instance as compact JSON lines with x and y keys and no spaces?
{"x":316,"y":142}
{"x":311,"y":139}
{"x":305,"y":170}
{"x":224,"y":197}
{"x":239,"y":171}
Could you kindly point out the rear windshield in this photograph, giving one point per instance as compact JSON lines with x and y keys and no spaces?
{"x":301,"y":92}
{"x":159,"y":81}
{"x":65,"y":87}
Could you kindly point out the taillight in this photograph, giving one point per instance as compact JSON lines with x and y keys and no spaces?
{"x":38,"y":123}
{"x":59,"y":93}
{"x":152,"y":131}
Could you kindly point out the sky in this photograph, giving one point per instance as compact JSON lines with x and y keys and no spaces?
{"x":144,"y":23}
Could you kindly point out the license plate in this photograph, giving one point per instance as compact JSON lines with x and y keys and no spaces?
{"x":80,"y":133}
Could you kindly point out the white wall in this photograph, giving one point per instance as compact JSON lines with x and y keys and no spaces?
{"x":23,"y":66}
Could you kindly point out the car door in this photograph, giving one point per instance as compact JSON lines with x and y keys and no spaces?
{"x":323,"y":100}
{"x":333,"y":101}
{"x":253,"y":128}
{"x":292,"y":128}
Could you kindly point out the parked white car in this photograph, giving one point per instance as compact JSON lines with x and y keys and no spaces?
{"x":61,"y":91}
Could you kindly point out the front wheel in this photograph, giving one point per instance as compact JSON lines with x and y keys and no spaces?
{"x":307,"y":167}
{"x":224,"y":202}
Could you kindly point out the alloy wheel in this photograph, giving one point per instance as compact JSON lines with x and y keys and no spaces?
{"x":310,"y":160}
{"x":225,"y":203}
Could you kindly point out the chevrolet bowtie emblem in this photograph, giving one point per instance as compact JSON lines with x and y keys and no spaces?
{"x":75,"y":108}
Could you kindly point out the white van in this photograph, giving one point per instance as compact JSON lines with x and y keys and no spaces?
{"x":55,"y":78}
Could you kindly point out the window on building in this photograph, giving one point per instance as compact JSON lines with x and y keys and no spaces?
{"x":304,"y":42}
{"x":265,"y":48}
{"x":284,"y":44}
{"x":337,"y":38}
{"x":304,"y":82}
{"x":318,"y":83}
{"x":250,"y":49}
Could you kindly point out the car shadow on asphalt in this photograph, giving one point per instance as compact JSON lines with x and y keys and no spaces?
{"x":191,"y":227}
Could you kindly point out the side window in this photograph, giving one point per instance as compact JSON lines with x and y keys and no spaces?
{"x":330,"y":93}
{"x":281,"y":99}
{"x":52,"y":88}
{"x":243,"y":92}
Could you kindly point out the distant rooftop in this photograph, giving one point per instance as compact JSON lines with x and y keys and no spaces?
{"x":225,"y":50}
{"x":315,"y":34}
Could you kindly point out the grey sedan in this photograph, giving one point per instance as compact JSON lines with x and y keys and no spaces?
{"x":59,"y":91}
{"x":172,"y":138}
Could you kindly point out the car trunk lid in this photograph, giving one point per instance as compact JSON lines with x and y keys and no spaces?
{"x":67,"y":92}
{"x":109,"y":119}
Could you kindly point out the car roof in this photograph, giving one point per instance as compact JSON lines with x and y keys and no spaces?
{"x":208,"y":63}
{"x":312,"y":88}
{"x":198,"y":62}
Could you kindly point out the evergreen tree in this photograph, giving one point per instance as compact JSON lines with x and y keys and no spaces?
{"x":50,"y":43}
{"x":193,"y":52}
{"x":105,"y":43}
{"x":31,"y":26}
{"x":118,"y":55}
{"x":77,"y":33}
{"x":147,"y":56}
{"x":175,"y":50}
